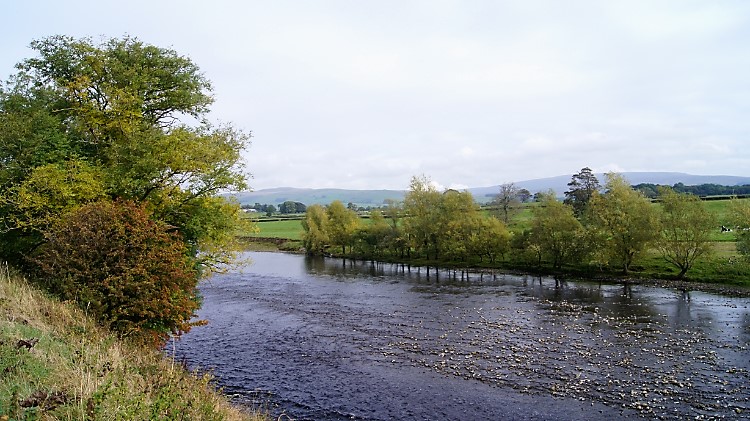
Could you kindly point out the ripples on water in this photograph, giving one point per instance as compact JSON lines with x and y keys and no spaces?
{"x":329,"y":339}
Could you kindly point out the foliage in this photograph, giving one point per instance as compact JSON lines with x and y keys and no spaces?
{"x":457,"y":218}
{"x":556,"y":233}
{"x":651,"y":190}
{"x":123,"y":268}
{"x":625,"y":219}
{"x":686,"y":227}
{"x":581,"y":189}
{"x":375,"y":237}
{"x":290,"y":206}
{"x":524,"y":195}
{"x":49,"y":191}
{"x":109,"y":116}
{"x":507,"y":202}
{"x":315,"y":225}
{"x":619,"y":227}
{"x":97,"y":165}
{"x":490,"y":239}
{"x":421,"y":204}
{"x":343,"y":223}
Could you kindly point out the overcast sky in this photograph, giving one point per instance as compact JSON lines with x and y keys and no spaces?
{"x":364,"y":95}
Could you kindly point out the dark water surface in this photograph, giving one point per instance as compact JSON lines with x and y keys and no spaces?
{"x":327,"y":339}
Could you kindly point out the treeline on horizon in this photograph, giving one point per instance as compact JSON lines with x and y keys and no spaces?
{"x":286,"y":207}
{"x":703,"y":190}
{"x":649,"y":190}
{"x":596,"y":228}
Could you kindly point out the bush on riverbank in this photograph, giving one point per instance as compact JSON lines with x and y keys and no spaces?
{"x":58,"y":363}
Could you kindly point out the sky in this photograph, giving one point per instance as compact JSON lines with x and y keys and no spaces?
{"x":366,"y":94}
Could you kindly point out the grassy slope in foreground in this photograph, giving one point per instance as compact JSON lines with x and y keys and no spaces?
{"x":56,"y":363}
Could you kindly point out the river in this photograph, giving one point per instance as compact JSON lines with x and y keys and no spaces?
{"x":331,"y":339}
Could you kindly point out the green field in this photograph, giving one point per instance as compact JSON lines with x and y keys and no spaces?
{"x":287,"y":229}
{"x":292,"y":229}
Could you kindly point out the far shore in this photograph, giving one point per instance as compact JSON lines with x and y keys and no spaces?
{"x":275,"y":245}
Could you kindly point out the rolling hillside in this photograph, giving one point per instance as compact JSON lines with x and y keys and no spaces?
{"x":481,"y":194}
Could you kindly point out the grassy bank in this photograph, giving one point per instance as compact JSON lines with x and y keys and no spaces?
{"x":56,"y":363}
{"x":724,"y":266}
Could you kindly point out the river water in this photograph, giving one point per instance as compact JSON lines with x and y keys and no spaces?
{"x":331,"y":339}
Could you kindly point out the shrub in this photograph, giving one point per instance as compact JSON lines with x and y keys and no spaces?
{"x":123,"y":268}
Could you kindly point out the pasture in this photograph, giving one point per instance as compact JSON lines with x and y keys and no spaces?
{"x":290,"y":229}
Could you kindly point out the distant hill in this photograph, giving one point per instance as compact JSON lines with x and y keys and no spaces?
{"x":481,"y":194}
{"x":560,"y":183}
{"x":321,"y":196}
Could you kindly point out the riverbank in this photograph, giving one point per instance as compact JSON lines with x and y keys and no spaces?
{"x":57,"y":363}
{"x":732,"y":290}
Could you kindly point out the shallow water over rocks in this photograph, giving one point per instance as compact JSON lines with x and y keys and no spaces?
{"x":332,"y":339}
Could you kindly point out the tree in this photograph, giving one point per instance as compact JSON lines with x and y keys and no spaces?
{"x":373,"y":238}
{"x":686,"y":227}
{"x":315,"y":225}
{"x":123,"y":268}
{"x":342,"y":224}
{"x":524,"y":195}
{"x":555,"y":231}
{"x":490,"y":239}
{"x":421,"y":206}
{"x":270,"y":210}
{"x":457,"y":221}
{"x":47,"y":192}
{"x":288,"y":206}
{"x":116,"y":108}
{"x":507,"y":202}
{"x":625,"y":218}
{"x":396,"y":240}
{"x":581,"y":189}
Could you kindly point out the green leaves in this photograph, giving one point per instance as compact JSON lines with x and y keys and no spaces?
{"x":625,"y":218}
{"x":315,"y":225}
{"x":48,"y":192}
{"x":556,"y":233}
{"x":96,"y":166}
{"x":686,"y":227}
{"x":111,"y":112}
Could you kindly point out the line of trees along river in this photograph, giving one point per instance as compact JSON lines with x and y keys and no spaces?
{"x":597,"y":227}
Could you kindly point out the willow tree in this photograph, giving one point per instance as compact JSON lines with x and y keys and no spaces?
{"x":458,"y":218}
{"x":490,"y":239}
{"x":342,"y":225}
{"x":626,"y":220}
{"x":686,"y":227}
{"x":421,"y":207}
{"x":315,"y":226}
{"x":556,"y":232}
{"x":136,"y":116}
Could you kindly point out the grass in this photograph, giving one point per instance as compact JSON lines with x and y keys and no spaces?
{"x":58,"y":364}
{"x":286,"y":229}
{"x":724,"y":266}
